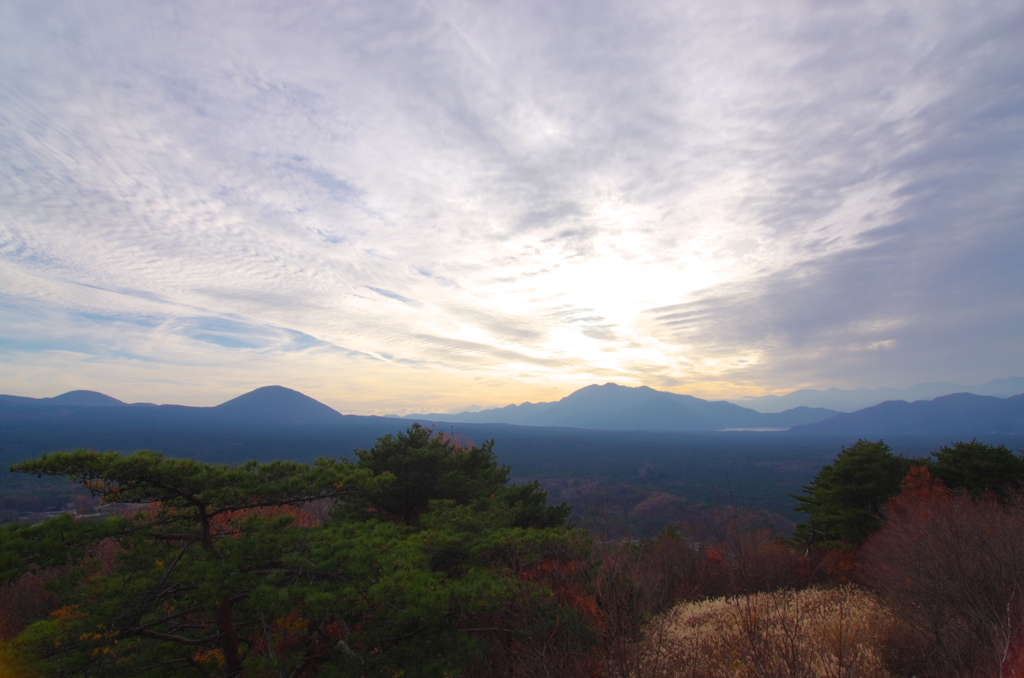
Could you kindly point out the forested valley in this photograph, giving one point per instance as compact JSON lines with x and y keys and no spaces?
{"x":421,"y":558}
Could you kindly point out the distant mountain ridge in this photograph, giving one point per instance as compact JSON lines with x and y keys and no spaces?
{"x":851,"y":400}
{"x":959,"y":414}
{"x":614,"y":407}
{"x":608,"y":407}
{"x":280,"y":404}
{"x":268,"y":404}
{"x":74,"y":398}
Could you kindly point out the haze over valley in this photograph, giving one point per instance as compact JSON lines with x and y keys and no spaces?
{"x":509,"y":339}
{"x":630,"y":443}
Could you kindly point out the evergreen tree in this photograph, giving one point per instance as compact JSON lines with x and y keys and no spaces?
{"x":845,"y":499}
{"x":196,"y":557}
{"x":427,"y":466}
{"x":227,"y":571}
{"x":978,"y":468}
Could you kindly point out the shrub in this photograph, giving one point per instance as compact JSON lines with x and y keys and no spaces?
{"x":953,"y":567}
{"x":815,"y":633}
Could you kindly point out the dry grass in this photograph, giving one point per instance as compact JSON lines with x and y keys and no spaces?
{"x":815,"y":633}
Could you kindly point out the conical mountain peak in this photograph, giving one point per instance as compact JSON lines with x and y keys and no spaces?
{"x":279,"y":404}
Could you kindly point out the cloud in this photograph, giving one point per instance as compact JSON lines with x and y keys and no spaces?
{"x":474,"y":353}
{"x":391,"y":295}
{"x":719,"y":196}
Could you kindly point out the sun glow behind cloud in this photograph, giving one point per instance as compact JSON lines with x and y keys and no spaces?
{"x":442,"y":204}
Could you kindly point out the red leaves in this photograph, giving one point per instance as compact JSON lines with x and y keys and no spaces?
{"x":952,"y":566}
{"x":230,"y":522}
{"x":22,"y":601}
{"x":920,"y":489}
{"x":714,"y":557}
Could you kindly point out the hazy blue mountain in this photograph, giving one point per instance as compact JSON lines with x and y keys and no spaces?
{"x":18,"y":399}
{"x":959,"y":414}
{"x":279,"y":404}
{"x":614,"y":407}
{"x":266,"y":405}
{"x":74,"y":398}
{"x":851,"y":400}
{"x":86,"y":399}
{"x":760,"y":469}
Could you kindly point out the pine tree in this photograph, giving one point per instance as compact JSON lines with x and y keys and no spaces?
{"x":845,"y":499}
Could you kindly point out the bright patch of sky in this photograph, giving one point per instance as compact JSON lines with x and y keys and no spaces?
{"x":419,"y":206}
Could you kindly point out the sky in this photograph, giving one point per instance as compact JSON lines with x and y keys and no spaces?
{"x":400,"y":207}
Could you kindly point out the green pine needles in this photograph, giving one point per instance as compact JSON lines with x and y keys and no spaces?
{"x":418,"y":559}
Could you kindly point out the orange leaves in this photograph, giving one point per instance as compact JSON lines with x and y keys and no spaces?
{"x":209,"y":656}
{"x":97,"y":637}
{"x":104,"y":642}
{"x":68,"y":613}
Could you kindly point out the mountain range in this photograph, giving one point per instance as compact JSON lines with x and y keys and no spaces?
{"x":270,"y":404}
{"x":954,"y":414}
{"x":851,"y":400}
{"x":608,"y":407}
{"x":614,"y":407}
{"x":276,"y":423}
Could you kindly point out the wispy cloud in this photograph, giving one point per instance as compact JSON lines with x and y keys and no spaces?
{"x":442,"y":203}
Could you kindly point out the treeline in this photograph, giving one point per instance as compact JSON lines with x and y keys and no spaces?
{"x":420,"y":559}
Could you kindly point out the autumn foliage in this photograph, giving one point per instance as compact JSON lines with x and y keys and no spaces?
{"x":421,"y":560}
{"x":935,"y":590}
{"x":952,"y":565}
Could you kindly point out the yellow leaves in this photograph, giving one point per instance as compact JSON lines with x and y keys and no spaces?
{"x":66,"y":612}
